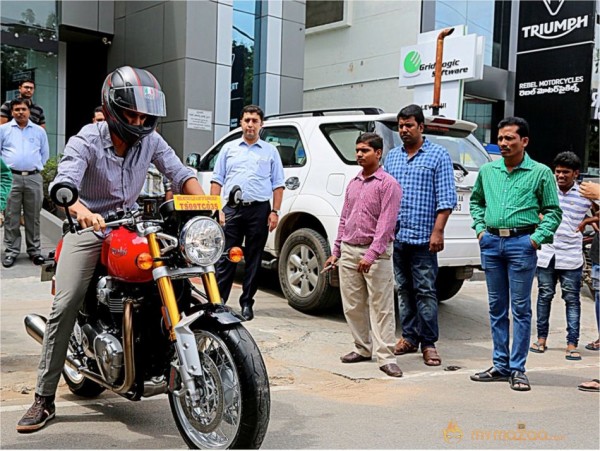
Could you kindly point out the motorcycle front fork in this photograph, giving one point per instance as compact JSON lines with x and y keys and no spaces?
{"x":179,"y":328}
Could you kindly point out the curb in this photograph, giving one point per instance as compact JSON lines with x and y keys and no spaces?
{"x":51,"y":225}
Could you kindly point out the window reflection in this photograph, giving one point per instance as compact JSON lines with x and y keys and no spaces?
{"x":482,"y":17}
{"x":242,"y":57}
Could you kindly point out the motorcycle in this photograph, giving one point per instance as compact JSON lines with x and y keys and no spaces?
{"x":145,"y":329}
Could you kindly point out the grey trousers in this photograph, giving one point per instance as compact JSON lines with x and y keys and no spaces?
{"x":78,"y":259}
{"x":27,"y":191}
{"x":368,"y":301}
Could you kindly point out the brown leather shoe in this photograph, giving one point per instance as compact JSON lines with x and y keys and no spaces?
{"x":353,"y":357}
{"x":391,"y":369}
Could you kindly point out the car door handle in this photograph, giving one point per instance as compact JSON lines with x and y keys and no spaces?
{"x":464,"y":188}
{"x":292,"y":183}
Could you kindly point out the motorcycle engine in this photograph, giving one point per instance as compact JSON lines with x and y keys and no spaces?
{"x":109,"y":356}
{"x":105,"y":293}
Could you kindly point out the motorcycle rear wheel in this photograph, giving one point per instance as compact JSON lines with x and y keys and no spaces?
{"x":77,"y":383}
{"x":233,"y":412}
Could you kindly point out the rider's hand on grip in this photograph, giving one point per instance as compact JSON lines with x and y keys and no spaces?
{"x":91,"y":220}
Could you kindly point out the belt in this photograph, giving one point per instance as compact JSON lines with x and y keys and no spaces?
{"x":515,"y":231}
{"x":35,"y":171}
{"x":252,"y":202}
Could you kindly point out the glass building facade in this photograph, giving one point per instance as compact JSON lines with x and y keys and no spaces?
{"x":490,"y":19}
{"x":242,"y":57}
{"x":29,"y":49}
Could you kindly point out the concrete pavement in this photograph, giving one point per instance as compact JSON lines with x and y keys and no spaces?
{"x":318,"y":402}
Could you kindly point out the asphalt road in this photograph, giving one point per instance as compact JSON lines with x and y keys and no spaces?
{"x":320,"y":403}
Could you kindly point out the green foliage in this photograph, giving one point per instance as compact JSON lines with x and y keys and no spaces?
{"x":48,"y":174}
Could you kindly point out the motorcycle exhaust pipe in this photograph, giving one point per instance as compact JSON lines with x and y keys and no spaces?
{"x":35,"y":326}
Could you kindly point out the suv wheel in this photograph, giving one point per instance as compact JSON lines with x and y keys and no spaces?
{"x":302,"y":257}
{"x":446,"y":284}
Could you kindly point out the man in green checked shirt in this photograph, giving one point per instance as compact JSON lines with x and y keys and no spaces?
{"x":509,"y":198}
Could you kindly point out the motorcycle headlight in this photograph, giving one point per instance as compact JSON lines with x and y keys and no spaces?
{"x":202,"y":241}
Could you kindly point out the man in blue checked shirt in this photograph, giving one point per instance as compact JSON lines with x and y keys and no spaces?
{"x":424,"y":171}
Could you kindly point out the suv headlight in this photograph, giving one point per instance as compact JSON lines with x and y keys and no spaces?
{"x":202,"y":241}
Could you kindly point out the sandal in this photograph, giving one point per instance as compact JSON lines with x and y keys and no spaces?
{"x":519,"y":381}
{"x":404,"y":347}
{"x":431,"y":357}
{"x":593,"y":385}
{"x":489,"y":375}
{"x":573,"y":354}
{"x":593,"y":346}
{"x":538,"y":347}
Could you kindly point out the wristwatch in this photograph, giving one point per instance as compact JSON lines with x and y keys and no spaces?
{"x":277,"y":212}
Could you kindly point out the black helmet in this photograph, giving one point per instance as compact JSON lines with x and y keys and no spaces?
{"x":129,"y":88}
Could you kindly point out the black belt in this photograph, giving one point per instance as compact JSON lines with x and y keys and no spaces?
{"x":35,"y":171}
{"x":514,"y":231}
{"x":252,"y":202}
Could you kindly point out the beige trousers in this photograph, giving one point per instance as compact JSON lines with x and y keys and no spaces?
{"x":368,"y":301}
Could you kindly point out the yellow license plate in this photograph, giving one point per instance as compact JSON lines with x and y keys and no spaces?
{"x":187,"y":202}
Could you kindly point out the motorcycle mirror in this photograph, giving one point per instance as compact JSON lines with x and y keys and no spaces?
{"x":64,"y":194}
{"x":235,"y":196}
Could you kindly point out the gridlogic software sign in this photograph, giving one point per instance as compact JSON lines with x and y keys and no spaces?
{"x":460,"y":62}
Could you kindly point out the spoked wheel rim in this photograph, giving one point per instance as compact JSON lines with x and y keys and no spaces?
{"x":302,"y":270}
{"x":214,"y":421}
{"x":75,"y":376}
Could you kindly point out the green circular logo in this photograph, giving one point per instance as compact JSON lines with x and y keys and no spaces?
{"x":412,"y":62}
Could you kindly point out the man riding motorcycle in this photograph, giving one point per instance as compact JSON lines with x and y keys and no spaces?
{"x":107,"y":162}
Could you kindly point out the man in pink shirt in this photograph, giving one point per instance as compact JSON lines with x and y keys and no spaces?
{"x":363,"y":251}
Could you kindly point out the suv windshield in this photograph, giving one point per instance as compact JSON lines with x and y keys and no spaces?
{"x":461,"y":145}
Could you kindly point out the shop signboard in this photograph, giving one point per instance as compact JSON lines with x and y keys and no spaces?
{"x":553,"y":76}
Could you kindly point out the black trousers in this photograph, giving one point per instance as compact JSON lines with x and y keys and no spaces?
{"x":250,"y":223}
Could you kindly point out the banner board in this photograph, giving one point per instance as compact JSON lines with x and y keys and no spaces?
{"x":553,"y":75}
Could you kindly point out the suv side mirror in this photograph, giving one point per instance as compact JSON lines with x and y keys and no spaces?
{"x":193,"y":161}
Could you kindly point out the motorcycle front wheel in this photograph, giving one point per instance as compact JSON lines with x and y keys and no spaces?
{"x":234,"y":399}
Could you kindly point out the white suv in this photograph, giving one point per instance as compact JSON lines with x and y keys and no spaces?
{"x":317,"y":150}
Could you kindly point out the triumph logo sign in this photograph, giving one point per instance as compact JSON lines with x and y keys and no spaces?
{"x":556,"y":29}
{"x":553,"y":6}
{"x":555,"y":20}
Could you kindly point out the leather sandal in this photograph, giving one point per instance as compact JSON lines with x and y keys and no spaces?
{"x":489,"y":375}
{"x":519,"y":381}
{"x":431,"y":357}
{"x":405,"y":347}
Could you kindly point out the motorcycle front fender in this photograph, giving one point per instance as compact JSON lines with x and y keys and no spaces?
{"x":202,"y":315}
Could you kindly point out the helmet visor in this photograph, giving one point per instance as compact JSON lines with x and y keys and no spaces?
{"x":141,"y":99}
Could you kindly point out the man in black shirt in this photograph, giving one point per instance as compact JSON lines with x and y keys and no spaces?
{"x":26,"y":90}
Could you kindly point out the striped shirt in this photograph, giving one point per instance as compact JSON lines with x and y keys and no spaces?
{"x":369,"y":214}
{"x":108,"y":182}
{"x":24,"y":149}
{"x":427,"y":181}
{"x":503,"y":199}
{"x":567,"y":245}
{"x":36,"y":116}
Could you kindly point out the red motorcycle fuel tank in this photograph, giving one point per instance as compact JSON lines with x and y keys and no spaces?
{"x":119,"y":253}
